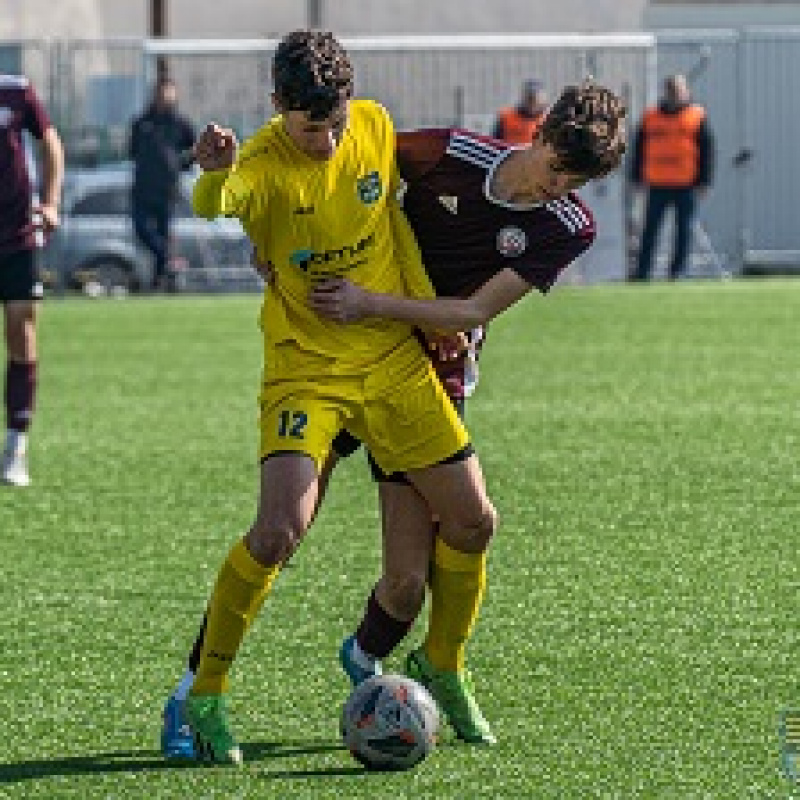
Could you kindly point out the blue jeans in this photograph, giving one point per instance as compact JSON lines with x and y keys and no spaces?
{"x":659,"y":199}
{"x":151,"y":225}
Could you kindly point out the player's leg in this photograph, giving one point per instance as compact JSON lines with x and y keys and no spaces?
{"x":414,"y":425}
{"x":177,"y":739}
{"x":456,"y":493}
{"x":20,"y":293}
{"x":286,"y":506}
{"x":298,"y":423}
{"x":398,"y":595}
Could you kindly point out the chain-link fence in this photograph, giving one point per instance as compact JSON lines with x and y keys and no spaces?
{"x":434,"y":82}
{"x":745,"y":79}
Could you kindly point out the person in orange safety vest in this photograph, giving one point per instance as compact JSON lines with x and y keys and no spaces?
{"x":519,"y":124}
{"x":673,"y":156}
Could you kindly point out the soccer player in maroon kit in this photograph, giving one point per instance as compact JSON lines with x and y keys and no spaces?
{"x":494,"y":222}
{"x":20,"y":288}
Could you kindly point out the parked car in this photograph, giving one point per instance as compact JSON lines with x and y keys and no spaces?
{"x":96,"y":245}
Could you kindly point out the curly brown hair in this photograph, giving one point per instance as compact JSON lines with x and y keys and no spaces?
{"x":586,"y":128}
{"x":311,"y":72}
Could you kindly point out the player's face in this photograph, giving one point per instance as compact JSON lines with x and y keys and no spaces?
{"x":553,"y":180}
{"x":317,"y":138}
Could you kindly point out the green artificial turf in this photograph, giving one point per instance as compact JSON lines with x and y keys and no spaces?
{"x":640,"y":631}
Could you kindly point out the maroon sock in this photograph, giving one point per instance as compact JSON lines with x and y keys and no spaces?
{"x":379,"y":632}
{"x":20,"y":394}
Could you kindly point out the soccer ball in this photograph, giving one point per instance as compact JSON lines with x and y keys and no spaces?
{"x":390,"y":722}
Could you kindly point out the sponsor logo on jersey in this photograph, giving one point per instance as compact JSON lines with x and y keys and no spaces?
{"x":369,"y":188}
{"x":304,"y":210}
{"x":450,"y":202}
{"x":511,"y":241}
{"x":6,"y":115}
{"x":330,"y":261}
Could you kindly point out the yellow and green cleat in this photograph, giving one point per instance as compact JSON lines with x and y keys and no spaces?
{"x":208,"y":719}
{"x":453,"y":692}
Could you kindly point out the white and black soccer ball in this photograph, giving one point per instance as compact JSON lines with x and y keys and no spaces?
{"x":390,"y":722}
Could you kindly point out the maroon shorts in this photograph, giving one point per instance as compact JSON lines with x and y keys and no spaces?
{"x":19,"y":277}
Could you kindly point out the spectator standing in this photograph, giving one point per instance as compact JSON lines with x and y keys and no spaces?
{"x":519,"y":124}
{"x":160,"y":147}
{"x":673,"y":155}
{"x":23,"y":220}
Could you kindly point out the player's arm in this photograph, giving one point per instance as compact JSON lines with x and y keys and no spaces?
{"x":207,"y":194}
{"x":37,"y":122}
{"x":215,"y":153}
{"x":52,"y":179}
{"x":342,"y":301}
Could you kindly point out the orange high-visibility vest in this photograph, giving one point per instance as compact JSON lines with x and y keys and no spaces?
{"x":671,"y":154}
{"x":518,"y":129}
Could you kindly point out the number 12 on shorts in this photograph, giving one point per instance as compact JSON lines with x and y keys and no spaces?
{"x":292,"y":424}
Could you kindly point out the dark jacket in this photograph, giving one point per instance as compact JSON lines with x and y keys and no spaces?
{"x":160,"y":147}
{"x":705,"y":148}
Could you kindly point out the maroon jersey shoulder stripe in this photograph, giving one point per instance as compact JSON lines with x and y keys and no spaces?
{"x":574,"y":215}
{"x":478,"y":150}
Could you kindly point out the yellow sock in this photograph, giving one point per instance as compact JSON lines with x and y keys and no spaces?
{"x":242,"y":585}
{"x":457,"y":584}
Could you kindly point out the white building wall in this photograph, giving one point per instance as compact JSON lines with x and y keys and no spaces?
{"x":84,"y":19}
{"x":254,"y":18}
{"x":719,"y":15}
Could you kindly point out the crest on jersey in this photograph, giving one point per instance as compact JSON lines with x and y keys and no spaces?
{"x":369,"y":188}
{"x":511,"y":241}
{"x":450,"y":202}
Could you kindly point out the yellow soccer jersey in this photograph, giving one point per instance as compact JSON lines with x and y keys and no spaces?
{"x":317,"y":219}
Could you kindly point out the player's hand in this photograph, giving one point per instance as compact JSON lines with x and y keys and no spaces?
{"x":215,"y":148}
{"x":264,"y":268}
{"x":45,"y":218}
{"x":339,"y":300}
{"x":447,"y":346}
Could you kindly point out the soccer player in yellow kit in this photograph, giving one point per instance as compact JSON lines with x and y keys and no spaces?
{"x":314,"y":190}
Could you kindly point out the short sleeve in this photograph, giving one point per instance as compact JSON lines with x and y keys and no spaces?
{"x":542,"y":267}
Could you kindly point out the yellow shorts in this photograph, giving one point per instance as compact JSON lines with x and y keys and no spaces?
{"x":399,"y":409}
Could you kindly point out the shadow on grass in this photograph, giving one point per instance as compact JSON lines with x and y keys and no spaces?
{"x":153,"y":761}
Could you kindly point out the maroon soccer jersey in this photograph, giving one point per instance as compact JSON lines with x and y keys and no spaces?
{"x":20,"y":110}
{"x":466,"y":236}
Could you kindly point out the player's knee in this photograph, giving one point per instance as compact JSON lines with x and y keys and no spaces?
{"x":473,"y":529}
{"x":486,"y":524}
{"x":402,"y":595}
{"x":272,"y":543}
{"x":21,"y":341}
